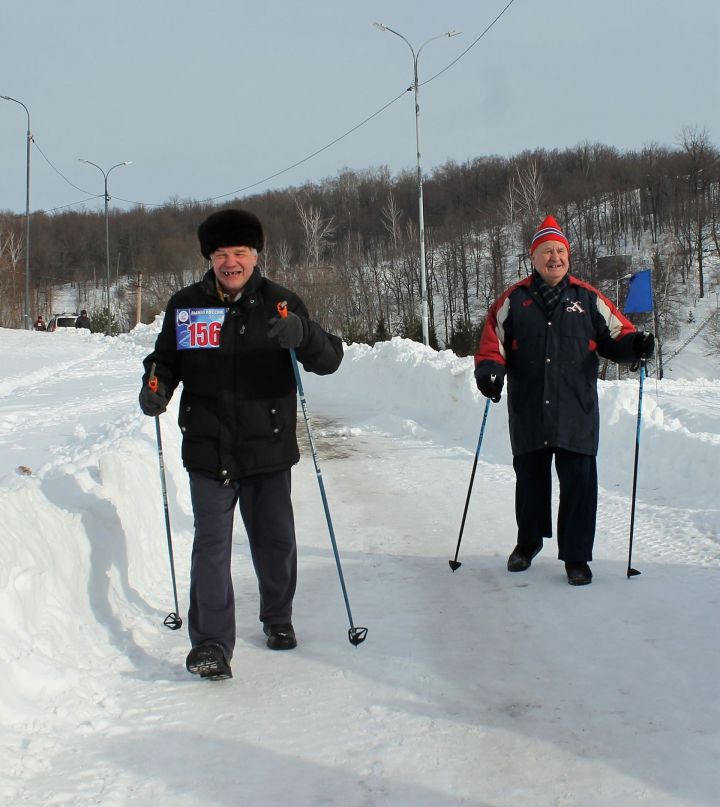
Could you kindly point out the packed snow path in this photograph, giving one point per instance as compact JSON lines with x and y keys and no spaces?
{"x":476,"y":687}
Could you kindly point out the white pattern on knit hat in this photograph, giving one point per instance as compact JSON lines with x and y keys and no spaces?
{"x":549,"y":230}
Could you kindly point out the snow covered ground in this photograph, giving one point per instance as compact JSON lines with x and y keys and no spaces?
{"x":477,"y":687}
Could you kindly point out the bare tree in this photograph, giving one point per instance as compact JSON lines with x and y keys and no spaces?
{"x":282,"y":255}
{"x":317,"y":229}
{"x":529,"y":189}
{"x":392,"y":218}
{"x":702,"y":158}
{"x":11,"y":288}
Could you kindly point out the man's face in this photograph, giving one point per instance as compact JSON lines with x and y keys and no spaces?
{"x":552,"y":261}
{"x":233,"y":267}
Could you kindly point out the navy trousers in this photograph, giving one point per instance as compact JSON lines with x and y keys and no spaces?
{"x":577,"y":511}
{"x":266,"y":510}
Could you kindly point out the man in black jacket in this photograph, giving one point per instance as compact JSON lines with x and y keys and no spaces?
{"x":546,"y":333}
{"x":223,"y":339}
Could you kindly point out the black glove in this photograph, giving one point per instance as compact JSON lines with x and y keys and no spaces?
{"x":643,"y":345}
{"x":490,"y":384}
{"x":153,"y":403}
{"x":288,"y":331}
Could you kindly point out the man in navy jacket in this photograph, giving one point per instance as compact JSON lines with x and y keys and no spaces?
{"x":545,"y":334}
{"x":223,"y":339}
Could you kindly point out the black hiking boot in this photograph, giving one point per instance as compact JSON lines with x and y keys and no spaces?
{"x":280,"y":637}
{"x":578,"y":573}
{"x":208,"y":661}
{"x":521,"y":557}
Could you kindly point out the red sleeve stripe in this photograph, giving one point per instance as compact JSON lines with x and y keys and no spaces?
{"x":491,"y":347}
{"x":501,"y":317}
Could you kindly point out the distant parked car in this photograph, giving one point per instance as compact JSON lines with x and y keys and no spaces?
{"x":62,"y":321}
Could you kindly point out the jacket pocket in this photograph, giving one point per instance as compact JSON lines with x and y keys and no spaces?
{"x":282,"y":413}
{"x":196,"y":419}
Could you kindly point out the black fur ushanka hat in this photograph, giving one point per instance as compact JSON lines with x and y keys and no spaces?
{"x":230,"y":228}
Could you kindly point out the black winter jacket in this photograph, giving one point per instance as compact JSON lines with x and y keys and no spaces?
{"x":238,"y":410}
{"x":552,"y":362}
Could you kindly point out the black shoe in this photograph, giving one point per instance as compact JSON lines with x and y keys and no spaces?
{"x":208,"y":661}
{"x":521,"y":557}
{"x":280,"y":637}
{"x":578,"y":573}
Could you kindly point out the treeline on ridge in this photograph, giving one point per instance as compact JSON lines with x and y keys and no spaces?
{"x":349,"y":244}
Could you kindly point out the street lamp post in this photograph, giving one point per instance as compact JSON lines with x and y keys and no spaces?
{"x":421,"y":212}
{"x":107,"y":229}
{"x":26,"y":312}
{"x":618,"y":278}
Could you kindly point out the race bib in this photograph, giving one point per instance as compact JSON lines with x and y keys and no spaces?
{"x":197,"y":328}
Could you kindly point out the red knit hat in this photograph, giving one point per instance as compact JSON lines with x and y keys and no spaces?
{"x":549,"y":230}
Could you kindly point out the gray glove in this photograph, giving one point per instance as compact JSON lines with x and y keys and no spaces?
{"x":153,"y":403}
{"x":287,"y":331}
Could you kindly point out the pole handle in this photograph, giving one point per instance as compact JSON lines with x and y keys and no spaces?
{"x":152,"y":381}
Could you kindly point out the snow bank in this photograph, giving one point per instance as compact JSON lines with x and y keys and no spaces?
{"x":96,"y":707}
{"x":402,"y":387}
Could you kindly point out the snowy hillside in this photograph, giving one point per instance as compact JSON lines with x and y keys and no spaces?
{"x":473,"y":688}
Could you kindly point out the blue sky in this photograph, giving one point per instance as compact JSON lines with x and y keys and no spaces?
{"x":207,"y":98}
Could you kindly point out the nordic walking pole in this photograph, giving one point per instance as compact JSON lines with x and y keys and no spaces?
{"x":455,"y":564}
{"x":173,"y":619}
{"x":355,"y":635}
{"x":630,"y":571}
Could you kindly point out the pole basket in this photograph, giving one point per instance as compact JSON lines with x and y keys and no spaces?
{"x":357,"y":635}
{"x":173,"y":621}
{"x":454,"y":564}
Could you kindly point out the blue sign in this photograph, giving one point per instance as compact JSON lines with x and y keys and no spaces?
{"x":639,"y":297}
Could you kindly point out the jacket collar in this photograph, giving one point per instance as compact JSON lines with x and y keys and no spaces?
{"x":551,"y":295}
{"x":210,"y":286}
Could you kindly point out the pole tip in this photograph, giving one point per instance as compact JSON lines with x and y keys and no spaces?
{"x":173,"y":621}
{"x":357,"y":635}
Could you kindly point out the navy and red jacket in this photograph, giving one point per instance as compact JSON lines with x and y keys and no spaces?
{"x":551,"y":362}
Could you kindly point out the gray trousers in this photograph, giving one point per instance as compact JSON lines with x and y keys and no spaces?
{"x":266,"y":510}
{"x":577,"y":474}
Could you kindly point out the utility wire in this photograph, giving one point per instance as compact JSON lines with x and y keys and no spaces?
{"x":60,"y":173}
{"x":319,"y":151}
{"x":298,"y":162}
{"x":295,"y":164}
{"x":471,"y":45}
{"x":72,"y":204}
